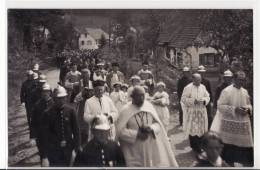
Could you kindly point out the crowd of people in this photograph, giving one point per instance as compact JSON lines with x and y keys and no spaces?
{"x":97,"y":117}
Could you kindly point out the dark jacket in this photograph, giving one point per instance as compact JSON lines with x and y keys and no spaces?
{"x":182,"y":82}
{"x":206,"y":83}
{"x":25,"y":92}
{"x":96,"y":155}
{"x":206,"y":163}
{"x":59,"y":125}
{"x":218,"y":92}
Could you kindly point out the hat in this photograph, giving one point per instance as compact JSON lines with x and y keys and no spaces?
{"x":35,"y":76}
{"x":42,"y":78}
{"x":145,"y":63}
{"x":124,"y":85}
{"x":29,"y":72}
{"x":102,"y":123}
{"x":36,"y":67}
{"x":186,"y":69}
{"x":115,"y":64}
{"x":161,"y":84}
{"x":85,"y":70}
{"x":228,"y":73}
{"x":60,"y":91}
{"x":201,"y":68}
{"x":117,"y":83}
{"x":98,"y":83}
{"x":100,"y":64}
{"x":135,"y":77}
{"x":46,"y":87}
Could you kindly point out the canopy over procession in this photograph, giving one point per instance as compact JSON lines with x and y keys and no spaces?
{"x":98,"y":117}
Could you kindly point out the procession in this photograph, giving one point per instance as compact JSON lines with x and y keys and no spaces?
{"x":96,"y":117}
{"x":135,"y":88}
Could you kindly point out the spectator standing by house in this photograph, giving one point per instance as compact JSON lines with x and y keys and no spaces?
{"x":201,"y":70}
{"x":183,"y":82}
{"x":195,"y":97}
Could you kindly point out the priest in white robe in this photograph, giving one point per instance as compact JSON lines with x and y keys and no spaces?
{"x":100,"y":104}
{"x":142,"y":136}
{"x":195,"y":97}
{"x":232,"y":122}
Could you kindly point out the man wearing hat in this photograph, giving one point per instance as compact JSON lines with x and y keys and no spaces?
{"x":227,"y":80}
{"x":100,"y":151}
{"x":100,"y":104}
{"x":183,"y":82}
{"x":61,"y":137}
{"x":206,"y":83}
{"x":146,"y":76}
{"x":80,"y":100}
{"x":26,"y":95}
{"x":38,"y":114}
{"x":114,"y":76}
{"x":73,"y":82}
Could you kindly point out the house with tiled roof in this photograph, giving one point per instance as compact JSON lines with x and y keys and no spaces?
{"x":89,"y":38}
{"x":180,"y":46}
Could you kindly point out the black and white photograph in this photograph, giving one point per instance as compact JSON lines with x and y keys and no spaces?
{"x":155,"y":88}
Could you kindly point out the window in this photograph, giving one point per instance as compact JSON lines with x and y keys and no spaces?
{"x":89,"y":42}
{"x":209,"y":59}
{"x":82,"y":42}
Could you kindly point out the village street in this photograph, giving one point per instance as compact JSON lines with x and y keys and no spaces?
{"x":21,"y":154}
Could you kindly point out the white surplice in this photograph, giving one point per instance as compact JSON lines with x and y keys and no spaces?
{"x":119,"y":99}
{"x":233,"y":128}
{"x":196,"y":115}
{"x":94,"y":107}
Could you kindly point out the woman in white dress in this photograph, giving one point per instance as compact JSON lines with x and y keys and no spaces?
{"x":160,"y":101}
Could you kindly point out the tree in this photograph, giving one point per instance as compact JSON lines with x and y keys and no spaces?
{"x":102,"y":41}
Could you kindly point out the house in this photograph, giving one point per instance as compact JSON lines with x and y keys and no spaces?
{"x":89,"y":38}
{"x":183,"y":46}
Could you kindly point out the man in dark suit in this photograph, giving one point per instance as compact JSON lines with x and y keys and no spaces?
{"x":206,"y":83}
{"x":182,"y":82}
{"x":61,"y":138}
{"x":38,"y":113}
{"x":100,"y":151}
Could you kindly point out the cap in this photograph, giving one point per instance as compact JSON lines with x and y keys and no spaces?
{"x":85,"y":70}
{"x":124,"y":85}
{"x":36,"y":67}
{"x":102,"y":123}
{"x":35,"y":76}
{"x":42,"y":78}
{"x":228,"y":73}
{"x":201,"y":68}
{"x":100,"y":64}
{"x":135,"y":77}
{"x":145,"y":63}
{"x":115,"y":64}
{"x":46,"y":87}
{"x":98,"y":83}
{"x":161,"y":84}
{"x":186,"y":69}
{"x":117,"y":83}
{"x":60,"y":91}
